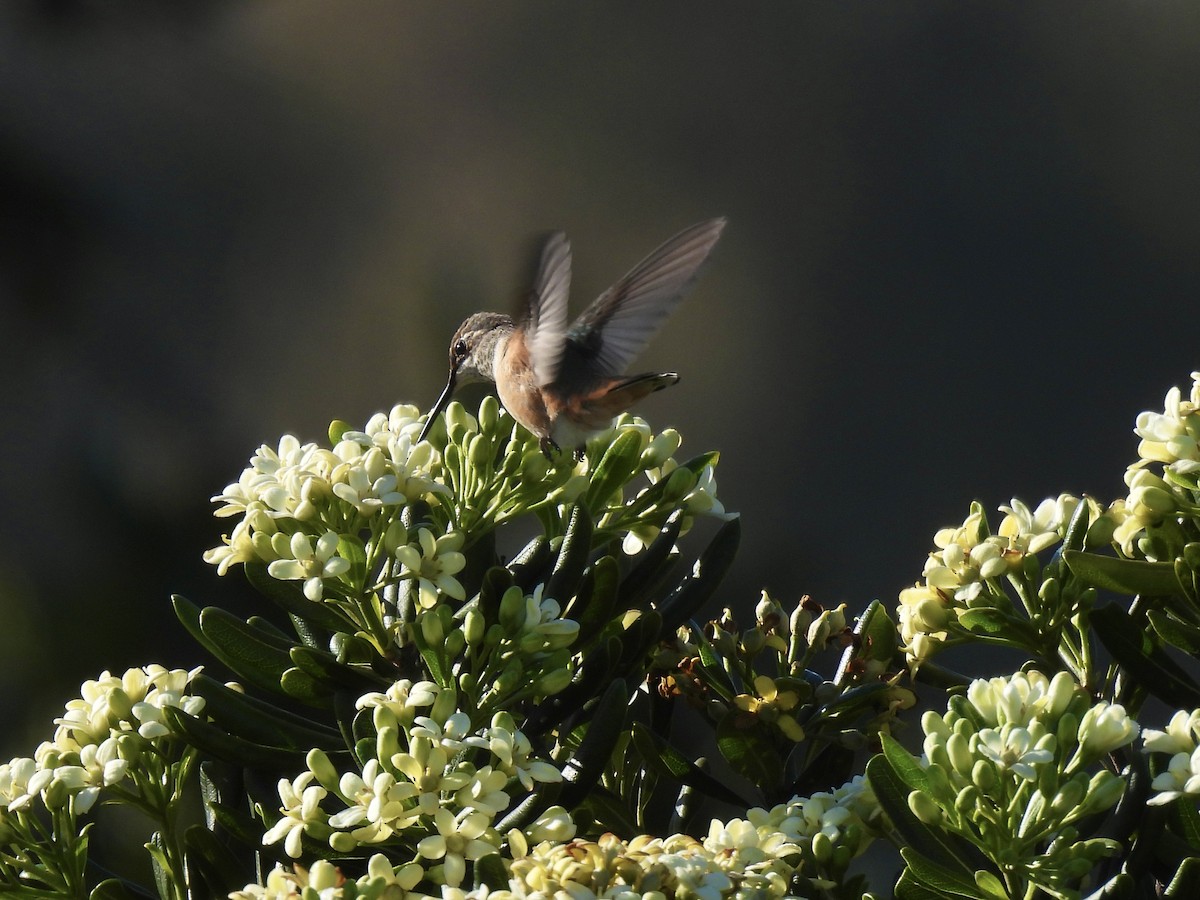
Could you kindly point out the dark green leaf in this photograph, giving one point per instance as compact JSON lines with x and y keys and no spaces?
{"x":665,"y":759}
{"x":942,"y":879}
{"x":596,"y":603}
{"x":572,"y":557}
{"x":529,"y":567}
{"x":1121,"y":886}
{"x":1186,"y":883}
{"x":1174,"y":631}
{"x":231,"y":748}
{"x":749,"y":752}
{"x":1146,"y":663}
{"x":892,"y":792}
{"x":243,"y":648}
{"x":490,"y":872}
{"x":210,"y":860}
{"x":652,"y":565}
{"x":984,"y":620}
{"x":299,"y":684}
{"x":289,"y":596}
{"x":111,"y":889}
{"x":255,"y":720}
{"x":606,"y":723}
{"x":327,"y":670}
{"x":614,"y":469}
{"x":704,"y":580}
{"x":1124,"y":576}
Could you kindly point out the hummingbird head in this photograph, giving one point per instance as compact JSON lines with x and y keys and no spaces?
{"x":472,"y":356}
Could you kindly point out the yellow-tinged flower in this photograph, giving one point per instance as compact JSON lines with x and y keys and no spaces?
{"x":435,"y":562}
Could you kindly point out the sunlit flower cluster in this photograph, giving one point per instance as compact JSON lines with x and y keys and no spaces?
{"x":1015,"y":761}
{"x":324,"y":881}
{"x":966,"y":570}
{"x":1181,"y":742}
{"x":1163,"y":483}
{"x":434,"y":785}
{"x":115,"y":721}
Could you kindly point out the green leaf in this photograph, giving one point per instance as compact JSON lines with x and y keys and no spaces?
{"x":299,"y":684}
{"x":750,"y":753}
{"x":1174,"y":630}
{"x":1121,"y":886}
{"x":1146,"y":663}
{"x":984,"y":620}
{"x":289,"y":596}
{"x":231,"y":748}
{"x":255,"y":720}
{"x":642,"y":635}
{"x":607,"y":722}
{"x":614,"y":469}
{"x":1186,"y":882}
{"x":652,"y":565}
{"x":610,"y":812}
{"x":327,"y":670}
{"x":1124,"y":576}
{"x":572,"y":557}
{"x":892,"y":792}
{"x":596,"y":603}
{"x":942,"y":879}
{"x":905,"y":766}
{"x":666,"y":760}
{"x":706,"y":577}
{"x":490,"y":872}
{"x":529,"y":567}
{"x":212,"y":862}
{"x":243,"y":648}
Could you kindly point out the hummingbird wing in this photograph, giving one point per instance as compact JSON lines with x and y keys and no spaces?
{"x":610,"y":333}
{"x":546,"y":314}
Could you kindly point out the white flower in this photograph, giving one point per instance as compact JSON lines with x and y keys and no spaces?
{"x":1105,"y":727}
{"x":458,"y":839}
{"x":1182,"y":734}
{"x":301,"y":809}
{"x":435,"y":562}
{"x":308,"y":563}
{"x":1013,"y":747}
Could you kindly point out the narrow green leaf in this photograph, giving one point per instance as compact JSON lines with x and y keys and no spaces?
{"x":1146,"y":663}
{"x":299,"y":684}
{"x":572,"y":556}
{"x":750,"y":753}
{"x":289,"y":596}
{"x":610,"y":812}
{"x":614,"y":469}
{"x":1124,"y":576}
{"x":892,"y":792}
{"x":605,"y":726}
{"x":230,"y":748}
{"x":1186,"y":883}
{"x":243,"y":648}
{"x":906,"y":767}
{"x":596,"y":606}
{"x":1121,"y":886}
{"x":1175,"y":631}
{"x":944,"y":880}
{"x":530,"y":566}
{"x":490,"y":872}
{"x":909,"y":887}
{"x":984,"y":620}
{"x":327,"y":670}
{"x":665,"y":759}
{"x":255,"y":720}
{"x":111,"y":889}
{"x":652,"y":564}
{"x":706,"y":577}
{"x":212,"y":862}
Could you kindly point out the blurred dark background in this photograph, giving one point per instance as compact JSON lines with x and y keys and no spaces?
{"x":962,"y":255}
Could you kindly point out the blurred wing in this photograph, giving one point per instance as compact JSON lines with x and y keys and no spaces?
{"x":546,"y":315}
{"x":622,"y":320}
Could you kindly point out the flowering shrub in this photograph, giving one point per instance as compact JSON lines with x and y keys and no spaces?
{"x":423,"y":708}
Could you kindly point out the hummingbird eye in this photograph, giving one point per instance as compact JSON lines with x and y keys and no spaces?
{"x":460,"y":349}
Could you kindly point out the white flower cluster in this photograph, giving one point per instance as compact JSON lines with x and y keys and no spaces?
{"x":1181,"y":740}
{"x":755,"y":857}
{"x":420,"y":789}
{"x":115,"y":720}
{"x":962,"y":573}
{"x":298,"y":502}
{"x":1170,"y":439}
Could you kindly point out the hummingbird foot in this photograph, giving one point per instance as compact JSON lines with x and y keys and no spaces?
{"x":547,"y":444}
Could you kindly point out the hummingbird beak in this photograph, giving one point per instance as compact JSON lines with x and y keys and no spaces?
{"x":442,"y":401}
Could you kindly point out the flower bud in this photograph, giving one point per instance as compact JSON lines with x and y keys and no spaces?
{"x":319,"y":764}
{"x":924,"y":808}
{"x":455,"y":642}
{"x":554,"y":681}
{"x":431,"y":629}
{"x":474,"y":627}
{"x":822,"y":846}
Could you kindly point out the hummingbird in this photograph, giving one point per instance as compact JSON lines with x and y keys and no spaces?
{"x":564,"y":383}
